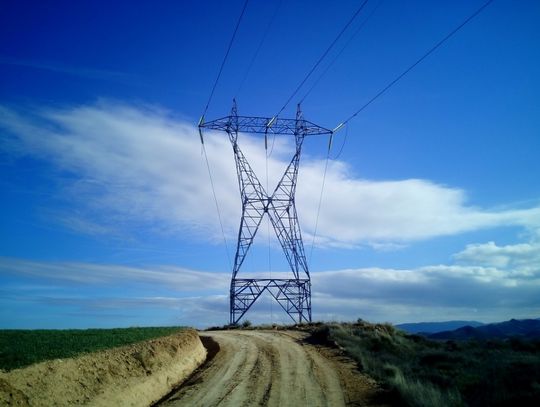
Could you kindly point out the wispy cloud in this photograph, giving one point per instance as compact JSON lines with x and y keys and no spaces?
{"x":139,"y":164}
{"x":82,"y":72}
{"x":81,"y":224}
{"x":473,"y":287}
{"x":173,"y":278}
{"x":522,"y":259}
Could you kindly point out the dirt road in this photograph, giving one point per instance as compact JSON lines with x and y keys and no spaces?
{"x":272,"y":368}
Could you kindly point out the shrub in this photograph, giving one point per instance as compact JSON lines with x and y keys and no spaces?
{"x":422,"y":393}
{"x":424,"y":372}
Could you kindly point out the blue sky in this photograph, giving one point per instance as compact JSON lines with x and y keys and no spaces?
{"x":431,"y":212}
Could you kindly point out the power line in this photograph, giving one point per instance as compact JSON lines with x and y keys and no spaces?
{"x":263,"y":39}
{"x":410,"y":68}
{"x":224,"y":59}
{"x":319,"y":205}
{"x":217,"y":205}
{"x":202,"y":121}
{"x":343,"y":143}
{"x":322,"y":57}
{"x":341,"y":51}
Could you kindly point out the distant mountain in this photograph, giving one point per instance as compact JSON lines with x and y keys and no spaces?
{"x":524,"y":328}
{"x":433,"y":327}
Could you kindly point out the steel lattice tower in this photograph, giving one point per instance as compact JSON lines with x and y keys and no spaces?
{"x":294,"y":294}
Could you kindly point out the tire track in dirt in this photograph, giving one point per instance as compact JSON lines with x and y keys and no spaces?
{"x":263,"y":368}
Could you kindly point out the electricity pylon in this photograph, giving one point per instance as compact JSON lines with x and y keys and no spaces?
{"x":293,"y":294}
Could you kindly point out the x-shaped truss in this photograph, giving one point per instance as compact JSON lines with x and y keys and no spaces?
{"x":294,"y":295}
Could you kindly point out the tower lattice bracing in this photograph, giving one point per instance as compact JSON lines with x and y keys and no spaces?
{"x":293,"y":294}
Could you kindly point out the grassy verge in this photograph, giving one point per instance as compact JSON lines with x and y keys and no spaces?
{"x":19,"y":348}
{"x":422,"y":372}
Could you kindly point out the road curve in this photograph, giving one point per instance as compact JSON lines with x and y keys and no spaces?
{"x":263,"y":368}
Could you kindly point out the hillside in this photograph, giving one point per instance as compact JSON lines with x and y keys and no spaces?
{"x":525,"y":329}
{"x":424,"y":372}
{"x":433,"y":327}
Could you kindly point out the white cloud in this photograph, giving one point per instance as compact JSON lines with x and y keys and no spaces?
{"x":519,"y":261}
{"x":488,"y":283}
{"x":437,"y":292}
{"x":174,"y":278}
{"x":139,"y":164}
{"x":358,"y":210}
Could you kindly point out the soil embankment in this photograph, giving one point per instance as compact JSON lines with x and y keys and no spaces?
{"x":273,"y":368}
{"x":134,"y":375}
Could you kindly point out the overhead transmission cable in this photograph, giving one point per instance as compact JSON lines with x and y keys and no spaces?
{"x":343,"y":143}
{"x":360,"y":27}
{"x":315,"y":67}
{"x":256,"y":54}
{"x":319,"y":205}
{"x":325,"y":53}
{"x":431,"y":50}
{"x":410,"y":68}
{"x":357,"y":12}
{"x":201,"y":121}
{"x":224,"y":59}
{"x":217,"y":206}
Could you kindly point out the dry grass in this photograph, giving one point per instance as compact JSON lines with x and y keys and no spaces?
{"x":422,"y":372}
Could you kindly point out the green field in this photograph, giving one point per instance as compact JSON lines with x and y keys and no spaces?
{"x":19,"y":348}
{"x":423,"y":372}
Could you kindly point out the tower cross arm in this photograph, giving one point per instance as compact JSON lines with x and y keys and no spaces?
{"x":265,"y":125}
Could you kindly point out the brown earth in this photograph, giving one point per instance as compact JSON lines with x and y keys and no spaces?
{"x":133,"y":375}
{"x":273,"y":368}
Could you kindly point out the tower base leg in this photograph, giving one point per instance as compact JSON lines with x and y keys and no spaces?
{"x":294,"y":296}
